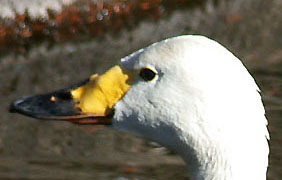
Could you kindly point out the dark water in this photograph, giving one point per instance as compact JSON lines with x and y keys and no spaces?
{"x":31,"y":149}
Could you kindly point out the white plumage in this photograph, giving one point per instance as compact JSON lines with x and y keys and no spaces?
{"x":187,"y":93}
{"x":203,"y":104}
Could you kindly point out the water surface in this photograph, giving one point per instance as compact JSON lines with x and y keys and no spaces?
{"x":31,"y":149}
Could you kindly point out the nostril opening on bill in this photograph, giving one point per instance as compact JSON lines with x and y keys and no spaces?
{"x":61,"y":96}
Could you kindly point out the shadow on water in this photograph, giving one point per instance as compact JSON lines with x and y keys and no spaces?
{"x":81,"y":169}
{"x":32,"y":149}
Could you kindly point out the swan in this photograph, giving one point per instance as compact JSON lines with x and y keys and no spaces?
{"x":187,"y":93}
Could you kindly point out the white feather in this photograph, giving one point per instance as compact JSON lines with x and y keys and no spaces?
{"x":204,"y":105}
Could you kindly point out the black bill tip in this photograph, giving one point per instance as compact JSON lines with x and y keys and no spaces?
{"x":58,"y":105}
{"x":45,"y":106}
{"x":14,"y":106}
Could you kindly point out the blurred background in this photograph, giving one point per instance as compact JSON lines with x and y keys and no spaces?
{"x":48,"y":45}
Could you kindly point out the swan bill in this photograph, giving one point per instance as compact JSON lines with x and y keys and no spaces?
{"x":89,"y":102}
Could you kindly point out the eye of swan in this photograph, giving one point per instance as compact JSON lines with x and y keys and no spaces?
{"x":147,"y":74}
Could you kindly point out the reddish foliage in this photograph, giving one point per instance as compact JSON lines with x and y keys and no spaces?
{"x":74,"y":21}
{"x":128,"y":169}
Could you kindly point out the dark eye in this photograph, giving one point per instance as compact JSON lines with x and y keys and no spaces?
{"x":147,"y":74}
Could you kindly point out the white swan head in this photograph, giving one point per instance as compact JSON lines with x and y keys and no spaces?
{"x":187,"y":93}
